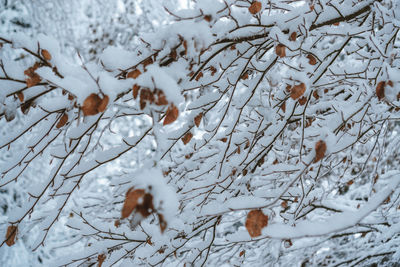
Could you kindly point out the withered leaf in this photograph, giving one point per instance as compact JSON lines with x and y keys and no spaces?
{"x":20,"y":96}
{"x":33,"y":78}
{"x":244,"y":76}
{"x":297,"y":91}
{"x":163,"y":223}
{"x":198,"y":77}
{"x":198,"y":118}
{"x":131,"y":201}
{"x":185,"y":46}
{"x":255,"y":7}
{"x":311,"y":59}
{"x":100,"y":259}
{"x":90,"y":105}
{"x":147,"y":62}
{"x":255,"y":222}
{"x":63,"y":120}
{"x":315,"y":94}
{"x":213,"y":70}
{"x":26,"y":106}
{"x":302,"y":100}
{"x":380,"y":90}
{"x":186,"y":139}
{"x":103,"y":104}
{"x":293,"y":36}
{"x":208,"y":18}
{"x":283,"y":106}
{"x":46,"y":55}
{"x":171,"y":115}
{"x":280,"y":50}
{"x":93,"y":104}
{"x":135,"y":90}
{"x":161,"y":99}
{"x":11,"y":235}
{"x":146,"y":207}
{"x":320,"y":149}
{"x":134,"y":74}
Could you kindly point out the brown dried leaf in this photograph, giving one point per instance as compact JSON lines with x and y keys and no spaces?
{"x":255,"y":222}
{"x":186,"y":139}
{"x":320,"y":149}
{"x":185,"y":46}
{"x":100,"y":259}
{"x":280,"y":50}
{"x":26,"y":106}
{"x":146,"y":207}
{"x":90,"y":105}
{"x":163,"y":223}
{"x":171,"y":115}
{"x":247,"y":145}
{"x":245,"y":76}
{"x":198,"y":77}
{"x":309,"y":122}
{"x":33,"y":78}
{"x":33,"y":81}
{"x":213,"y":70}
{"x":11,"y":235}
{"x":198,"y":118}
{"x":46,"y":55}
{"x":311,"y":59}
{"x":20,"y":96}
{"x":161,"y":99}
{"x":63,"y":120}
{"x":135,"y":90}
{"x":302,"y":100}
{"x":293,"y":36}
{"x":255,"y":7}
{"x":147,"y":62}
{"x":241,"y":253}
{"x":134,"y":74}
{"x":131,"y":201}
{"x":103,"y":103}
{"x":208,"y":18}
{"x":297,"y":91}
{"x":93,"y":104}
{"x":283,"y":106}
{"x":315,"y":94}
{"x":142,"y":103}
{"x":380,"y":90}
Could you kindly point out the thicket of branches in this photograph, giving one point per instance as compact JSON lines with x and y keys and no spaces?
{"x":257,"y":133}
